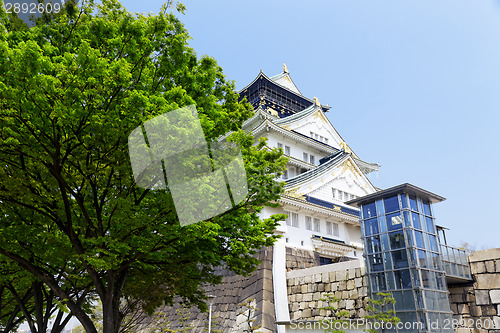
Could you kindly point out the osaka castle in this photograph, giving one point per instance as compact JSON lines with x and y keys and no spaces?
{"x":343,"y":238}
{"x":323,"y":171}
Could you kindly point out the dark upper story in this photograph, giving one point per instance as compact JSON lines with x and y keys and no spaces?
{"x":277,"y":92}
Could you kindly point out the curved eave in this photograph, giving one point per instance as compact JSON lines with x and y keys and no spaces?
{"x":261,"y":74}
{"x":366,"y":167}
{"x":345,"y":217}
{"x":299,"y":115}
{"x":318,"y":172}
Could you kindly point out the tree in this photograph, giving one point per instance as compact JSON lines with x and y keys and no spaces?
{"x":381,"y":312}
{"x":248,"y":310}
{"x":71,"y":215}
{"x":337,"y":315}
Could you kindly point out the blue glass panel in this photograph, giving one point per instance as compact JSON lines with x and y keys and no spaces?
{"x":434,"y":324}
{"x":385,"y":242}
{"x":419,"y":298}
{"x":369,"y":211}
{"x":391,"y":204}
{"x":382,"y":223}
{"x":409,"y":238}
{"x":373,"y":244}
{"x":404,"y":200}
{"x":433,"y":243}
{"x":428,"y":279}
{"x":413,"y":203}
{"x":387,"y":261}
{"x":419,"y":241}
{"x":436,"y":261}
{"x":406,"y":303}
{"x":380,"y":207}
{"x":440,"y":282}
{"x":416,"y":277}
{"x":407,"y":218}
{"x":427,"y":207}
{"x":430,"y":225}
{"x":400,"y":259}
{"x":390,"y":281}
{"x":378,"y":282}
{"x":371,"y":227}
{"x":394,"y":221}
{"x":402,"y":279}
{"x":375,"y":262}
{"x":416,"y":220}
{"x":397,"y":240}
{"x":422,"y":260}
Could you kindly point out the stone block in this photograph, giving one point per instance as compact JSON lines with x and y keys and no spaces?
{"x":496,"y":322}
{"x":478,"y":267}
{"x":363,"y":270}
{"x":306,"y":313}
{"x":463,"y":309}
{"x":497,"y":264}
{"x":298,"y":297}
{"x":325,"y":278}
{"x":351,"y":273}
{"x":358,"y":282}
{"x":317,"y":296}
{"x":489,"y":310}
{"x":334,"y":286}
{"x":313,"y":304}
{"x":331,"y":275}
{"x":457,"y":298}
{"x":490,"y":266}
{"x":454,"y":308}
{"x":363,"y":292}
{"x":349,"y":304}
{"x":350,"y":284}
{"x":484,"y":255}
{"x":317,"y":277}
{"x":488,"y":281}
{"x":495,"y":296}
{"x":303,"y":288}
{"x":358,"y":272}
{"x":307,"y":297}
{"x":321,"y":287}
{"x":340,"y":275}
{"x":345,"y":294}
{"x":482,"y":297}
{"x":475,"y":310}
{"x":328,"y":287}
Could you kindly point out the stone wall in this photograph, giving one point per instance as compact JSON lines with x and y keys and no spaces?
{"x":476,"y":305}
{"x":346,"y":281}
{"x":228,"y":315}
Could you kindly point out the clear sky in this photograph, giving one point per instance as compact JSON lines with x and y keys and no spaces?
{"x":413,"y":85}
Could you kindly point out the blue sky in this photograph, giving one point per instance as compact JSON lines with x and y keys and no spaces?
{"x":413,"y":85}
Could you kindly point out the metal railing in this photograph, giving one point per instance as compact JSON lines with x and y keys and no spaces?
{"x":455,"y":262}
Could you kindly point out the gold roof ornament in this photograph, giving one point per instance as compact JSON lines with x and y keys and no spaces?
{"x":316,"y":101}
{"x":345,"y":147}
{"x":285,"y":69}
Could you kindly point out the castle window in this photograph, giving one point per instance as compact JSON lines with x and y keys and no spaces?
{"x":311,"y":159}
{"x":280,"y":145}
{"x":326,"y":140}
{"x":287,"y":220}
{"x":308,"y":223}
{"x":304,"y":157}
{"x":287,"y":150}
{"x":317,"y":226}
{"x":332,"y":228}
{"x":295,"y":220}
